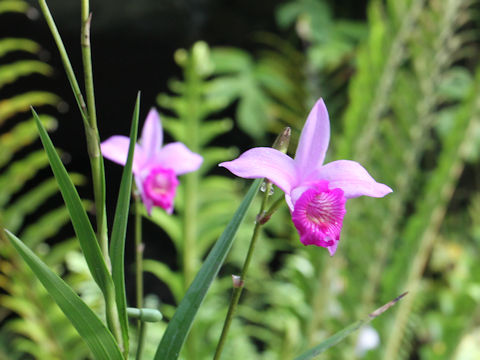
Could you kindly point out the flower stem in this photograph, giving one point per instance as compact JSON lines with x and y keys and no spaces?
{"x":93,"y":139}
{"x":96,"y":164}
{"x":239,"y":283}
{"x":190,"y":257}
{"x":65,"y":60}
{"x":88,"y":113}
{"x":139,"y":273}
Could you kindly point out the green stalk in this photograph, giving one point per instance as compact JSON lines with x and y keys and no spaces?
{"x":96,"y":164}
{"x":65,"y":60}
{"x":191,"y":182}
{"x":139,"y":246}
{"x":190,"y":228}
{"x":93,"y":139}
{"x":238,"y":283}
{"x":93,"y":143}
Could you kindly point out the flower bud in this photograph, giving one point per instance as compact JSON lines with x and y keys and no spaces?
{"x":282,"y":140}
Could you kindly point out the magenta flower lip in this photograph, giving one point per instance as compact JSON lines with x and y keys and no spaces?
{"x":155,"y":168}
{"x":315,"y":193}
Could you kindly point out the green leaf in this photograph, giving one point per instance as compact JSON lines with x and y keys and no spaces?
{"x":18,"y":173}
{"x":119,"y":230}
{"x":342,"y":334}
{"x":9,"y":73}
{"x":89,"y":326}
{"x":23,"y":102}
{"x":9,"y":45}
{"x":81,"y":223}
{"x":20,"y":136}
{"x":181,"y":322}
{"x":31,"y":200}
{"x":13,"y":6}
{"x":213,"y":128}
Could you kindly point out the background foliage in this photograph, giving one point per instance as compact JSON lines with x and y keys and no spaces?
{"x":402,"y":91}
{"x":31,"y":323}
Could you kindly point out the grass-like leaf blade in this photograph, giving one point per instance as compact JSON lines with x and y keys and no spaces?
{"x":342,"y":334}
{"x":117,"y":245}
{"x":181,"y":322}
{"x":89,"y":326}
{"x":81,"y":223}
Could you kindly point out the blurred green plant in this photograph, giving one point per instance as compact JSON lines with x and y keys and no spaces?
{"x":204,"y":204}
{"x":31,"y":323}
{"x":412,"y":119}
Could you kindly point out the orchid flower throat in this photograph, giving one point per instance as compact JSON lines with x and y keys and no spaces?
{"x":318,"y":214}
{"x":160,"y":185}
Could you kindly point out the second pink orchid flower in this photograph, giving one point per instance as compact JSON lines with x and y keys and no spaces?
{"x":155,"y":167}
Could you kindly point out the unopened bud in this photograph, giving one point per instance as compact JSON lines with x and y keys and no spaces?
{"x":237,"y":281}
{"x":147,"y":315}
{"x":282,"y":140}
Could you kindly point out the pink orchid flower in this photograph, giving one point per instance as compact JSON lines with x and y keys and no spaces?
{"x":315,"y":193}
{"x":155,"y":168}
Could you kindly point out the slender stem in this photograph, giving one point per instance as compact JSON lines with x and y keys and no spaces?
{"x":190,"y":256}
{"x":93,"y":139}
{"x":96,"y":164}
{"x":141,"y":338}
{"x":239,"y":283}
{"x":139,"y":273}
{"x":65,"y":60}
{"x":93,"y":143}
{"x":190,"y":229}
{"x":263,"y":218}
{"x":111,"y":314}
{"x":87,"y":63}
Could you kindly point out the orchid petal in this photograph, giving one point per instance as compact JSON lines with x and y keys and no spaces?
{"x":352,"y":178}
{"x":179,"y":158}
{"x":115,"y":148}
{"x":267,"y":163}
{"x":152,"y":134}
{"x":333,"y":248}
{"x":314,"y":139}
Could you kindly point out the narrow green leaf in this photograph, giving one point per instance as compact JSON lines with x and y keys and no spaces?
{"x":89,"y":326}
{"x":342,"y":334}
{"x":81,"y":223}
{"x":181,"y":322}
{"x":119,"y":230}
